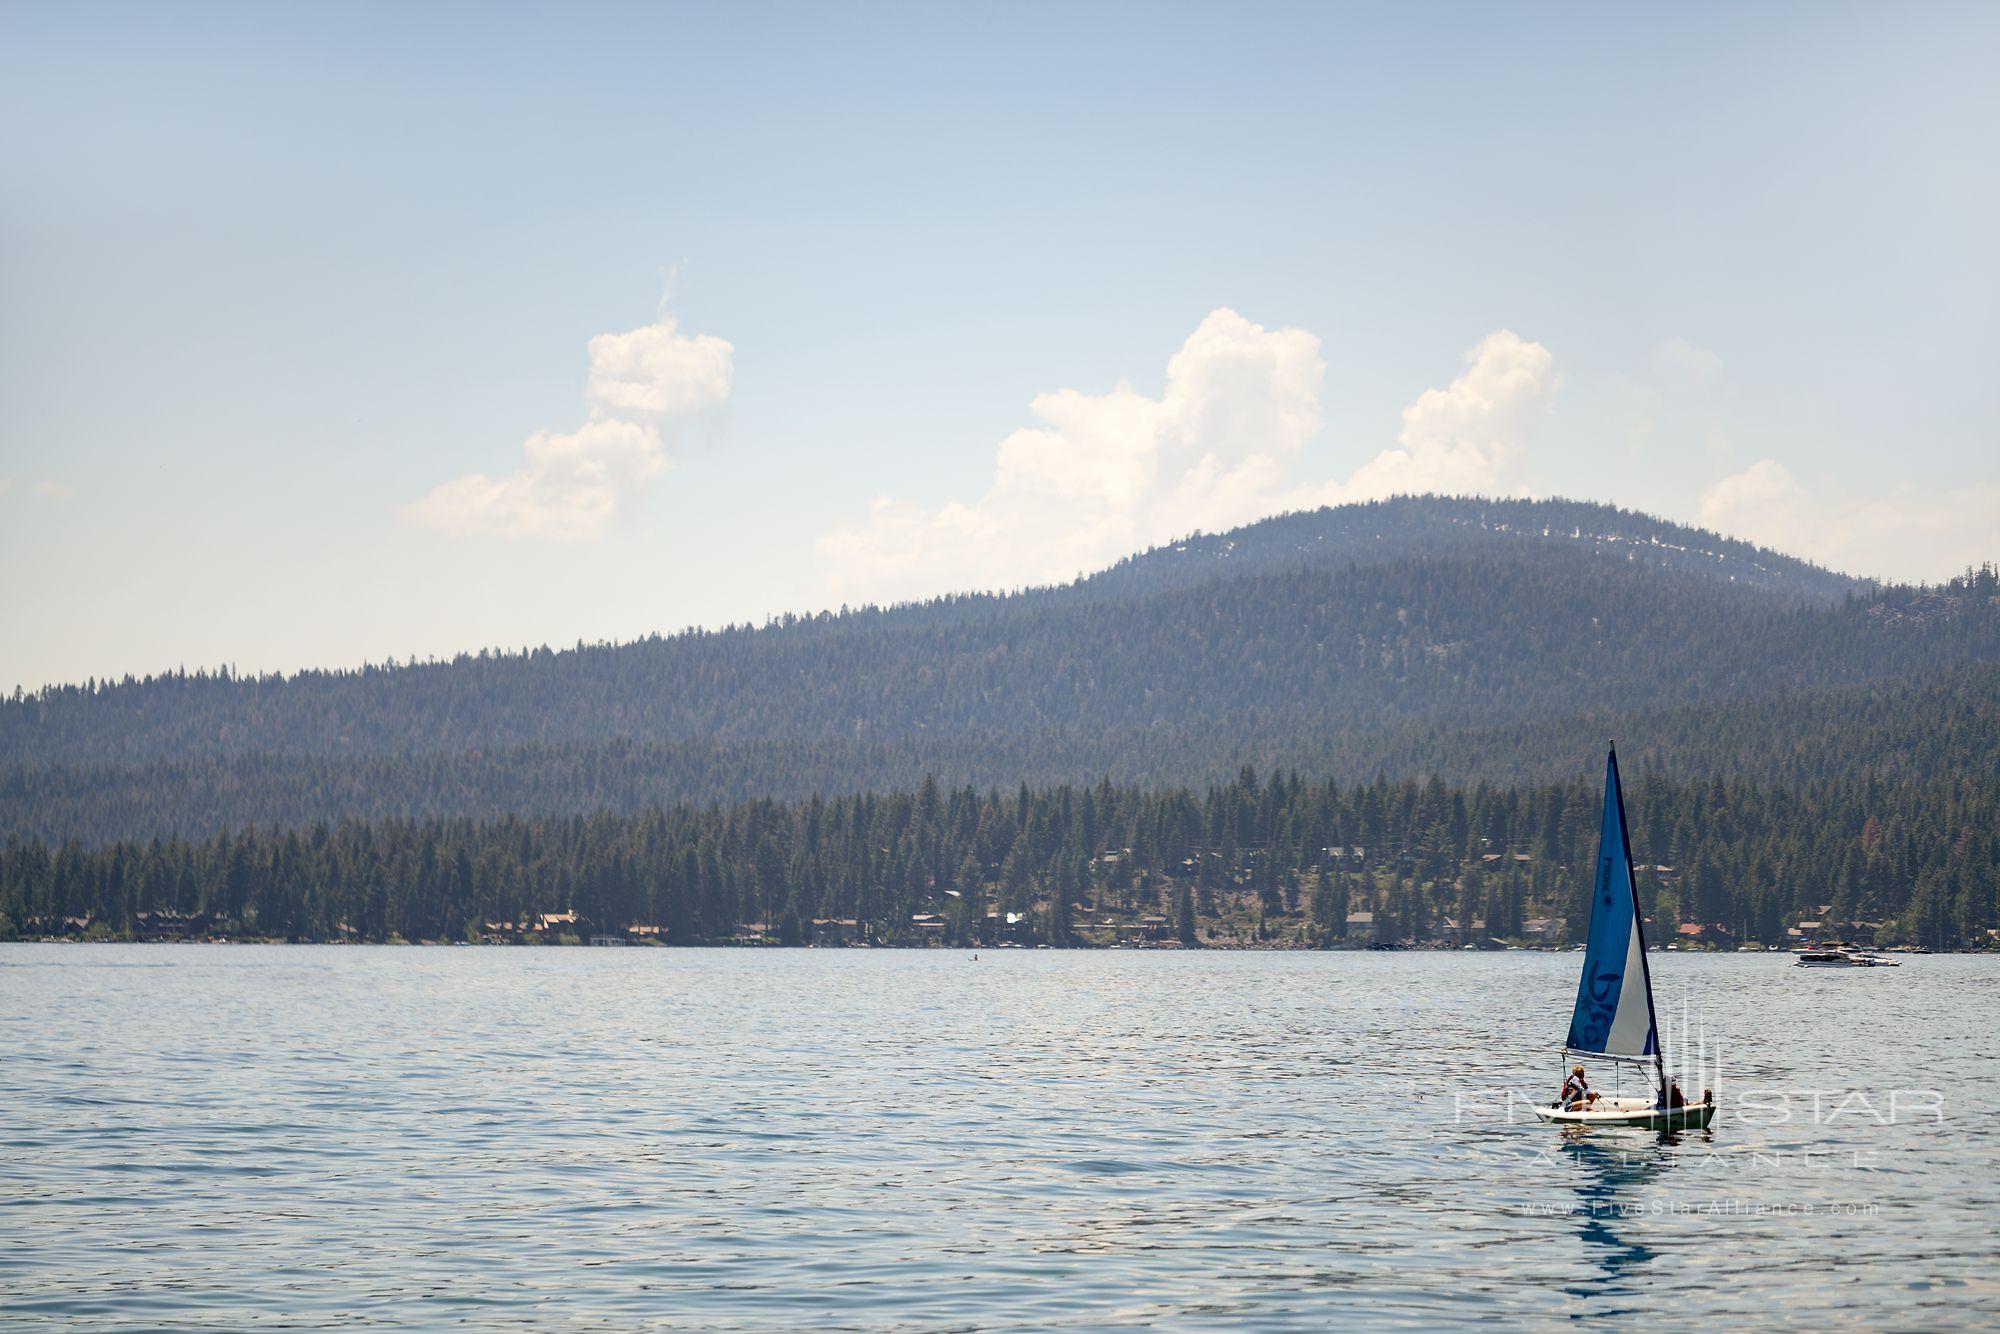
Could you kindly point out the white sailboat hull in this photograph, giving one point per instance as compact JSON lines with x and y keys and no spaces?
{"x":1641,"y":1113}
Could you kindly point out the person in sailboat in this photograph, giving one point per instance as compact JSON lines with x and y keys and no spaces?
{"x":1577,"y":1093}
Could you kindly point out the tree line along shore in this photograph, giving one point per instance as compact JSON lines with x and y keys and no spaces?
{"x":1270,"y":861}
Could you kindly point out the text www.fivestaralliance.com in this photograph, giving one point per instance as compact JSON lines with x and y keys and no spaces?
{"x":1700,"y":1208}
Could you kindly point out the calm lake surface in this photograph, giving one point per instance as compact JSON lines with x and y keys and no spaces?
{"x":245,"y":1136}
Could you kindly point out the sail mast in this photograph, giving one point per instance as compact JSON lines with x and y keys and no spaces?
{"x":1638,"y":922}
{"x":1614,"y":1015}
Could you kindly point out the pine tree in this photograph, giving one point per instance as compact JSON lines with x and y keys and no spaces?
{"x":1324,"y":925}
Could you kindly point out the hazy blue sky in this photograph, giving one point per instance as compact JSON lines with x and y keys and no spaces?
{"x":297,"y":303}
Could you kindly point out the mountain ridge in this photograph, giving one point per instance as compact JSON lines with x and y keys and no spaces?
{"x":1278,"y":539}
{"x":1384,"y":633}
{"x":1345,"y":533}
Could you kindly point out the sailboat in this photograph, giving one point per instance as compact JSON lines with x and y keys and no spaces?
{"x":1614,"y":1019}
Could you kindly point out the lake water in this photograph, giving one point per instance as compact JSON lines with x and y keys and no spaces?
{"x":245,"y":1136}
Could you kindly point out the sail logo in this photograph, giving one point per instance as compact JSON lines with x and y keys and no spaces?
{"x":1604,"y":990}
{"x":1603,"y":984}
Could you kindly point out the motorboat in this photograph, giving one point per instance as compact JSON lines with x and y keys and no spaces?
{"x":1842,"y":956}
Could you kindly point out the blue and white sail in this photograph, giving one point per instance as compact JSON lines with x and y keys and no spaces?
{"x":1614,"y":1001}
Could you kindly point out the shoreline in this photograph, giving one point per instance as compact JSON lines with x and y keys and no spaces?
{"x":1161,"y":947}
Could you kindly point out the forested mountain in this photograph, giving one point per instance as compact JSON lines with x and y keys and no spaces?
{"x":1903,"y":858}
{"x":1445,"y":528}
{"x":1400,"y":605}
{"x":1475,"y":639}
{"x":1940,"y":723}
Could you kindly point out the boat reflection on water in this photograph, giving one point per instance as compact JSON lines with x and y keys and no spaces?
{"x":1609,"y":1202}
{"x":1614,"y":1207}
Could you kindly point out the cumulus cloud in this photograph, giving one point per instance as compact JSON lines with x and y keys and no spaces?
{"x":644,"y":386}
{"x":1907,"y":534}
{"x":657,"y":371}
{"x":1099,"y":475}
{"x":1763,"y":504}
{"x":1903,"y":533}
{"x":1681,"y":365}
{"x":1899,"y":530}
{"x":572,"y":486}
{"x":1471,"y":435}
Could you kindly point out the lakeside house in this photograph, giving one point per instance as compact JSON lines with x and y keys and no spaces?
{"x":832,"y":931}
{"x":635,"y":933}
{"x":549,"y":927}
{"x":55,"y":926}
{"x":538,"y":924}
{"x":169,"y":924}
{"x":998,"y":928}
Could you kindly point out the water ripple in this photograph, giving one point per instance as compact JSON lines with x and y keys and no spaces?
{"x":237,"y":1137}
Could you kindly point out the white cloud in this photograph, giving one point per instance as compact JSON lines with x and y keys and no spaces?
{"x":1682,"y":366}
{"x":1912,"y":536}
{"x":1898,"y":531}
{"x":655,"y":371}
{"x":572,"y":486}
{"x":1902,"y":534}
{"x":1472,"y":435}
{"x":52,"y":490}
{"x":1101,"y":475}
{"x":642,"y":384}
{"x":1763,"y":504}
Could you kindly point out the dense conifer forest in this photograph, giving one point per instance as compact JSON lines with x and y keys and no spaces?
{"x":1446,"y":620}
{"x":1431,"y":681}
{"x":1272,"y":861}
{"x":1940,"y":723}
{"x":1465,"y":639}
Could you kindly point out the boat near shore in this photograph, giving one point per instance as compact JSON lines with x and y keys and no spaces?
{"x":1838,"y":954}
